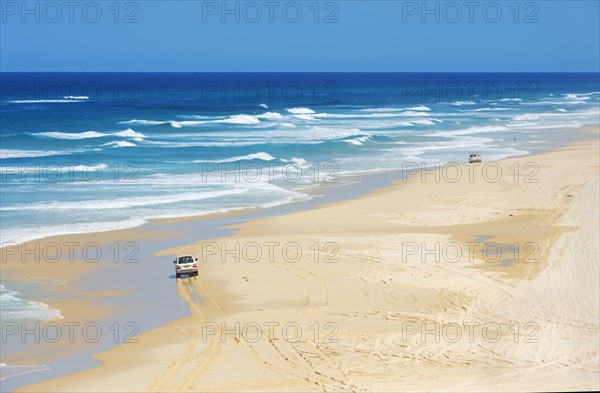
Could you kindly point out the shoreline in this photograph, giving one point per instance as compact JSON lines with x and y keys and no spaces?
{"x":345,"y":179}
{"x":99,"y":305}
{"x":239,"y":222}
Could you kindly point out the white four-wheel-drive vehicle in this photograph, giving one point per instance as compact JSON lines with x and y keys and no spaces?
{"x":474,"y":158}
{"x":186,"y":264}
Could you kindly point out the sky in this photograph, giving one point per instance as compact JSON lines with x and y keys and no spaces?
{"x":301,"y":35}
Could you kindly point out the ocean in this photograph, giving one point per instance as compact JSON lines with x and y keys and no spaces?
{"x":85,"y":152}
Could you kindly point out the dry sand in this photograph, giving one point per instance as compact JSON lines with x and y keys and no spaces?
{"x":384,"y":315}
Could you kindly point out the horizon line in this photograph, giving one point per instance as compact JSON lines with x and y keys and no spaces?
{"x":307,"y":72}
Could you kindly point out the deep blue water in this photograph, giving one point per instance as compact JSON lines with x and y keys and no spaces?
{"x":92,"y":151}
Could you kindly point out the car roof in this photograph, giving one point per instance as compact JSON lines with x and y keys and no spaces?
{"x":184,"y":256}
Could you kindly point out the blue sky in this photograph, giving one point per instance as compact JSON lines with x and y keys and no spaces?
{"x":344,"y":35}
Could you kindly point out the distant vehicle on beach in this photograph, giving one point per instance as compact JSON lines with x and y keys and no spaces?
{"x":474,"y":158}
{"x":186,"y":264}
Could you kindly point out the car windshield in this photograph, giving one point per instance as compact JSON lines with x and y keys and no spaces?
{"x":186,"y":260}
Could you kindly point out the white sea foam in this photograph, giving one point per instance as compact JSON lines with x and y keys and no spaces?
{"x":235,"y":119}
{"x":256,"y":156}
{"x":129,"y":133}
{"x":426,"y":122}
{"x":187,"y":123}
{"x":571,"y":99}
{"x":264,"y":106}
{"x":270,"y":116}
{"x":375,"y":115}
{"x":120,"y":144}
{"x":239,"y":119}
{"x":357,"y":141}
{"x":20,"y":235}
{"x":207,"y":143}
{"x":202,"y":117}
{"x":587,"y":94}
{"x":353,"y":141}
{"x":16,"y":370}
{"x":396,"y":124}
{"x":77,"y":135}
{"x":144,"y":122}
{"x":305,"y":117}
{"x":64,"y":100}
{"x":413,"y":114}
{"x":579,"y":96}
{"x":300,"y":111}
{"x":486,"y":110}
{"x":590,"y":113}
{"x":8,"y":153}
{"x":575,"y":97}
{"x":378,"y":115}
{"x":86,"y":168}
{"x":522,"y":124}
{"x":387,"y":125}
{"x":13,"y":307}
{"x":387,"y":109}
{"x":529,"y":116}
{"x":419,"y":108}
{"x":461,"y":103}
{"x":298,"y":161}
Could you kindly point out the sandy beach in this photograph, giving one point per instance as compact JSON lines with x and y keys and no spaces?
{"x":465,"y":278}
